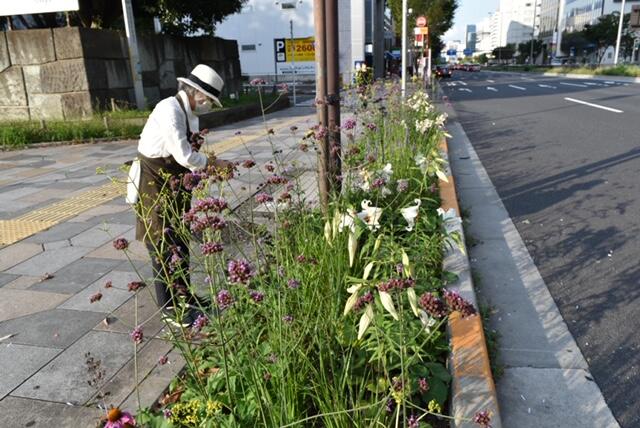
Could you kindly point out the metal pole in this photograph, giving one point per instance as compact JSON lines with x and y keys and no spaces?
{"x":533,"y":31}
{"x":134,"y":59}
{"x":293,"y":61}
{"x":615,"y":57}
{"x":321,"y":95}
{"x":403,"y":81}
{"x":333,"y":92}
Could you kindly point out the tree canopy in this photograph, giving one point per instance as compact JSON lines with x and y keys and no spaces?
{"x":439,"y":14}
{"x":604,"y":33}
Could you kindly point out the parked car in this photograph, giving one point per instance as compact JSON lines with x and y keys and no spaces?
{"x":473,"y":67}
{"x":442,"y":71}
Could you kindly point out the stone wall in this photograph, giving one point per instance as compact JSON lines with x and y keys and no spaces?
{"x":72,"y":72}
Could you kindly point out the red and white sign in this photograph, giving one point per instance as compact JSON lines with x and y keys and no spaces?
{"x":421,"y":21}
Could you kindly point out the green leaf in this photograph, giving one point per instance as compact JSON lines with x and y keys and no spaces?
{"x":439,"y":371}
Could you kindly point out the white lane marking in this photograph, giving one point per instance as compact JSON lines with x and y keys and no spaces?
{"x":451,"y":83}
{"x":547,"y":86}
{"x":594,"y":105}
{"x":464,"y":89}
{"x":592,"y":84}
{"x":527,"y":78}
{"x":491,"y":88}
{"x":491,"y":81}
{"x":573,"y":84}
{"x":609,"y":82}
{"x":517,"y":87}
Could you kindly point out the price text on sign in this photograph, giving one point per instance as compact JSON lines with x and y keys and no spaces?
{"x":298,"y":50}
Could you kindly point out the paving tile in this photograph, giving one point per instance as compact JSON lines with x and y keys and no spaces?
{"x":6,"y":278}
{"x":49,"y":261}
{"x":123,"y":319}
{"x":123,"y":383}
{"x":55,"y":245}
{"x":112,"y":297}
{"x":65,"y":378}
{"x":77,"y":275}
{"x":45,"y":194}
{"x":99,"y":234}
{"x":100,"y":210}
{"x":152,"y":387}
{"x":18,"y":303}
{"x":124,"y":217}
{"x":20,"y":412}
{"x":58,"y":232}
{"x":56,"y":328}
{"x":22,"y":282}
{"x":19,"y":362}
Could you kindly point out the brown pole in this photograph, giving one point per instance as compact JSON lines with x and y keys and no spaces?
{"x":321,"y":106}
{"x":333,"y":92}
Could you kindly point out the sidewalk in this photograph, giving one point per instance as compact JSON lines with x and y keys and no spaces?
{"x":57,"y":222}
{"x":546,"y":380}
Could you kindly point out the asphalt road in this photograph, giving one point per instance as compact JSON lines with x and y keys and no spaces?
{"x":564,"y":155}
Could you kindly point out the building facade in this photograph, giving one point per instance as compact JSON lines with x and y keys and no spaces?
{"x":471,"y":38}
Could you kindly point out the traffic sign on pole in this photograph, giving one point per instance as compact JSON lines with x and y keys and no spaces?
{"x":421,"y":21}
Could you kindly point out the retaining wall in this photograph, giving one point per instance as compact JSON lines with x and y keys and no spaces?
{"x":71,"y":72}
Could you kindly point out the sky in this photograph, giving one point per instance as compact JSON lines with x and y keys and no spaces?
{"x":469,"y":12}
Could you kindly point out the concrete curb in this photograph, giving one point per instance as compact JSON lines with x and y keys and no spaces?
{"x":472,"y":387}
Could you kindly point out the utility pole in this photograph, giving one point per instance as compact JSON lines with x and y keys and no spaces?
{"x":403,"y":84}
{"x":134,"y":59}
{"x":333,"y":92}
{"x":321,"y":95}
{"x":615,"y":57}
{"x":293,"y":60}
{"x":533,"y":31}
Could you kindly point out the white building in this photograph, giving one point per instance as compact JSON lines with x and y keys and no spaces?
{"x":483,"y":36}
{"x":262,"y":21}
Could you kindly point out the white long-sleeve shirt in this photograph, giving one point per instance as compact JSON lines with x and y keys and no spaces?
{"x":165,"y":133}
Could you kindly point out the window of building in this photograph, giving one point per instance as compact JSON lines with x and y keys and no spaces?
{"x":246,"y":48}
{"x":288,"y":5}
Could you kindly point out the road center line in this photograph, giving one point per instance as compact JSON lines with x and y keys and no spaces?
{"x":517,"y":87}
{"x":491,"y":81}
{"x":573,"y":84}
{"x":462,"y":83}
{"x":491,"y":88}
{"x":547,"y":86}
{"x":594,"y":105}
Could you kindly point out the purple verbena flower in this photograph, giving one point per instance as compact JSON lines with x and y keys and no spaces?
{"x":455,"y":302}
{"x":248,"y":163}
{"x":167,"y":413}
{"x":372,"y":126}
{"x":423,"y":385}
{"x":137,"y":335}
{"x":135,"y":285}
{"x":378,"y":183}
{"x":240,"y":271}
{"x":163,"y":360}
{"x":403,"y":186}
{"x":209,"y":248}
{"x":349,"y":124}
{"x":262,"y":198}
{"x":224,"y":299}
{"x":257,"y":82}
{"x":190,"y":180}
{"x":293,"y":283}
{"x":201,"y":321}
{"x":413,"y":422}
{"x":390,"y":406}
{"x":483,"y":419}
{"x":432,"y":305}
{"x":120,"y":244}
{"x":287,"y":319}
{"x":95,"y":298}
{"x":256,"y":296}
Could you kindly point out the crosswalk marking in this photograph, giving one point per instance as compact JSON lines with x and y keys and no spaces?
{"x":547,"y":86}
{"x":464,"y":89}
{"x":614,"y":110}
{"x":517,"y":87}
{"x":491,"y":88}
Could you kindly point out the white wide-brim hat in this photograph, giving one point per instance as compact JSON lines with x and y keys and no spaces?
{"x":206,"y":80}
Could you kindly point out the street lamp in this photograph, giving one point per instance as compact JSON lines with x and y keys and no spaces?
{"x":533,"y":31}
{"x":291,"y":5}
{"x":615,"y":58}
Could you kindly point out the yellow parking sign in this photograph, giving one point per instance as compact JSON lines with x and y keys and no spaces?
{"x":298,"y":50}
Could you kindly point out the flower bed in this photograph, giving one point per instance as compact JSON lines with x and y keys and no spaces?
{"x":329,"y":319}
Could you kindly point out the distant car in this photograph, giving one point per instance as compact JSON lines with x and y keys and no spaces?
{"x":442,"y":71}
{"x":473,"y":67}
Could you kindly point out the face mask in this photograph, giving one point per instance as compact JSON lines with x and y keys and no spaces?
{"x":203,"y":105}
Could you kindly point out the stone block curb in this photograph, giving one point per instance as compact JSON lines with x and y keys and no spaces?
{"x":472,"y":388}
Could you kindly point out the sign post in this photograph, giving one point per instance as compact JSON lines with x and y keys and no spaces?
{"x":134,"y":59}
{"x":26,"y":7}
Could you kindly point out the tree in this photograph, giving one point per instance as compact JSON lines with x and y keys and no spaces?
{"x":439,"y":14}
{"x":503,"y":53}
{"x":604,"y":34}
{"x":524,"y":49}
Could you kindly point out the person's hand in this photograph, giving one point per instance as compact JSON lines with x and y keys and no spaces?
{"x":204,"y":132}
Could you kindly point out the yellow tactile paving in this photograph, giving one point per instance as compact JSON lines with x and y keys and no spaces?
{"x":28,"y":224}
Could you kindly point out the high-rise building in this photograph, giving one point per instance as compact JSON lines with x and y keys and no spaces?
{"x":517,"y":20}
{"x":470,"y":38}
{"x":483,"y":36}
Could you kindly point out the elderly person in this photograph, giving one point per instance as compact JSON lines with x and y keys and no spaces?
{"x":166,"y":150}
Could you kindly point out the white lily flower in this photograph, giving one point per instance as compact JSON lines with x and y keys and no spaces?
{"x":422,"y":162}
{"x":410,"y":214}
{"x":352,"y":245}
{"x":365,"y":320}
{"x":347,"y":221}
{"x":427,"y":321}
{"x":387,"y":171}
{"x":327,"y":232}
{"x":351,"y":301}
{"x":365,"y":183}
{"x":413,"y":300}
{"x":387,"y":302}
{"x":370,"y":215}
